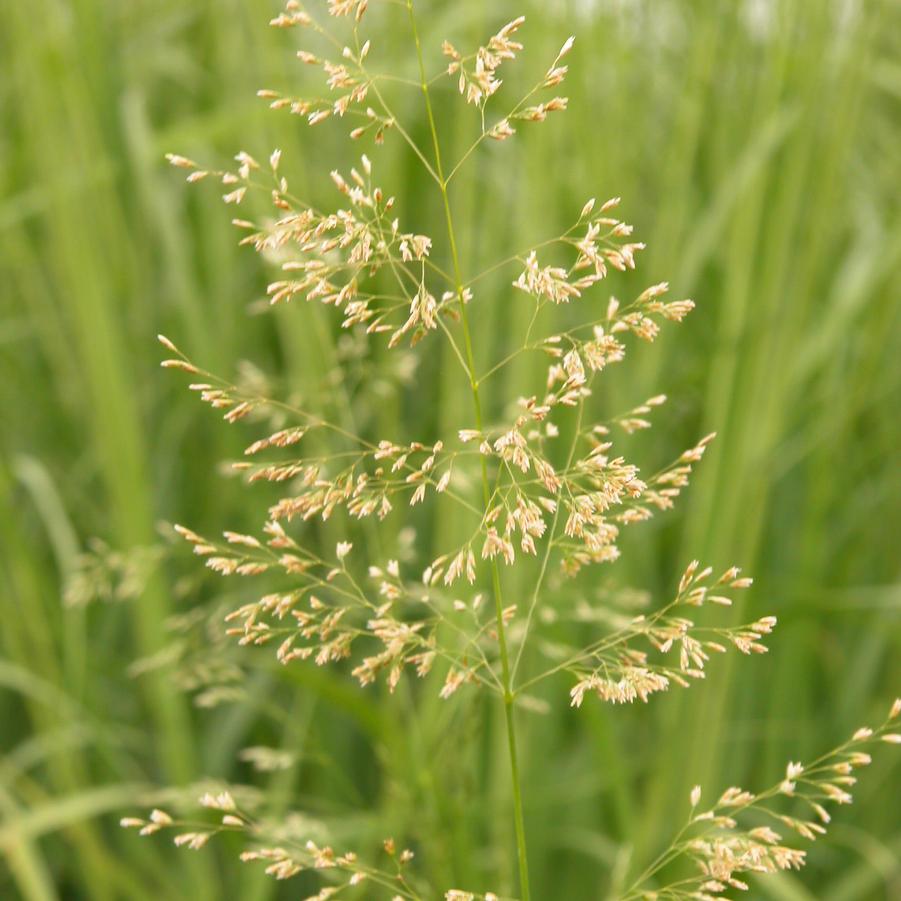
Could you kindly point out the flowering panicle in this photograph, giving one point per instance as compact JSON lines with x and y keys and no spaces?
{"x":282,"y":853}
{"x":335,"y":258}
{"x":601,"y":246}
{"x":477,"y":80}
{"x":285,"y":854}
{"x":651,"y":653}
{"x":743,"y":834}
{"x":543,"y":480}
{"x":578,"y":511}
{"x":385,"y":624}
{"x":477,"y":73}
{"x":347,"y":77}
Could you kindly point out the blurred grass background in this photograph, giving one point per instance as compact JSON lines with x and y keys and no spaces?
{"x":756,"y":145}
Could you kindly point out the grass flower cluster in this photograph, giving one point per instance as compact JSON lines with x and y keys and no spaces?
{"x":537,"y":477}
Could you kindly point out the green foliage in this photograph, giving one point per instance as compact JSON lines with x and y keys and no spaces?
{"x":755,"y":146}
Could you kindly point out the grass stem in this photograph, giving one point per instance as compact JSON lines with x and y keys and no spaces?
{"x":509,"y":716}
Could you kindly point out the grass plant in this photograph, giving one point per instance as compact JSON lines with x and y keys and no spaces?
{"x":754,"y":148}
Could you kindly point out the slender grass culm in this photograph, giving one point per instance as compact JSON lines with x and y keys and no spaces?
{"x":537,"y":479}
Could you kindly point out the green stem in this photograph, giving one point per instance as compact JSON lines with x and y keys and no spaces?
{"x":509,"y":717}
